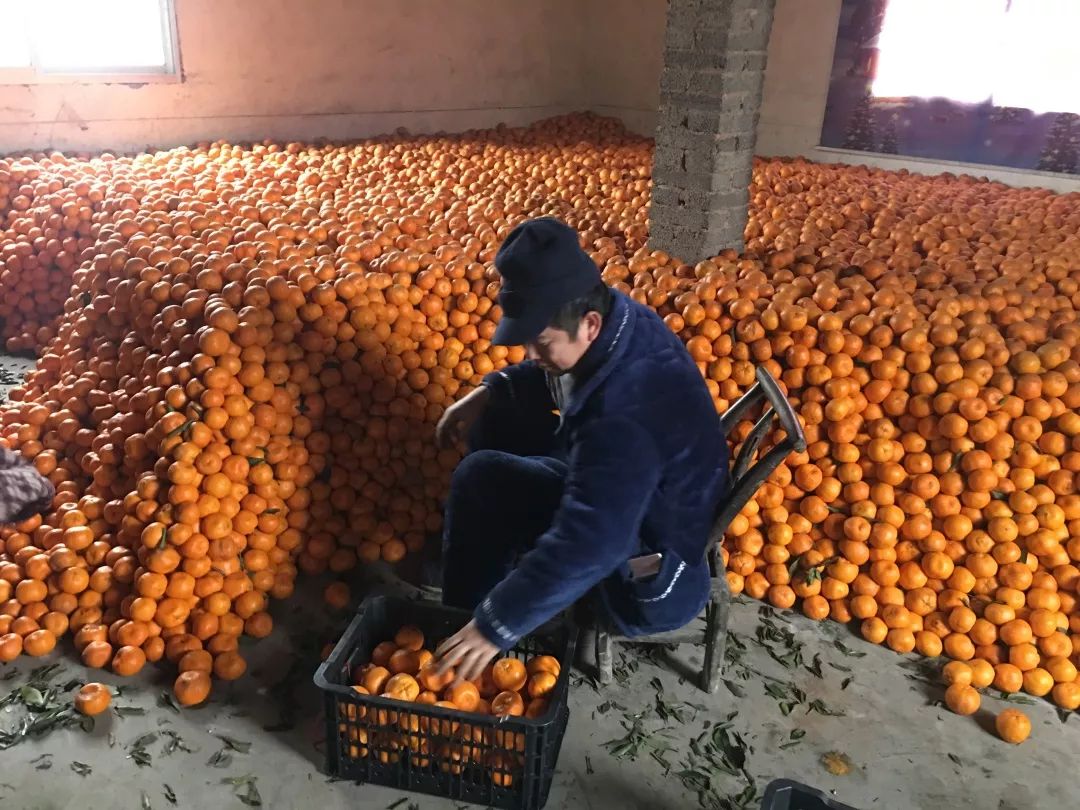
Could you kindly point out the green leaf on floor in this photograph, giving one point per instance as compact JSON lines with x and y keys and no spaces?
{"x":847,"y":651}
{"x":233,"y":744}
{"x":246,"y":791}
{"x":81,"y":768}
{"x":820,"y":707}
{"x":220,"y":759}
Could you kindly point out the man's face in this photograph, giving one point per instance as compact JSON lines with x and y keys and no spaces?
{"x":557,"y":352}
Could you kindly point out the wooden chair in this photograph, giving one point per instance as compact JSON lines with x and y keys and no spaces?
{"x":746,"y":478}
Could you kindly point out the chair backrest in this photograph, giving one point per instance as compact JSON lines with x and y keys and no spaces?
{"x":746,"y":478}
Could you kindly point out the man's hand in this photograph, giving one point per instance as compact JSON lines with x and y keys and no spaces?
{"x":468,"y":650}
{"x":461,"y":416}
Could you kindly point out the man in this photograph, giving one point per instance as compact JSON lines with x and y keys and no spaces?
{"x":599,"y":461}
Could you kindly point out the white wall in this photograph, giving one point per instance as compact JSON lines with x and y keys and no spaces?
{"x":624,"y":43}
{"x":302,"y":69}
{"x":340,"y":69}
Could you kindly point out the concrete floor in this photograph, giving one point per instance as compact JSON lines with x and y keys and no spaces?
{"x":905,"y":750}
{"x":12,"y":370}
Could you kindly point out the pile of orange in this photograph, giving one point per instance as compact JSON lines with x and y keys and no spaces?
{"x":243,"y":352}
{"x":402,"y":670}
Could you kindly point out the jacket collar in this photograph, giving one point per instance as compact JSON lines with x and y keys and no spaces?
{"x":601,"y":357}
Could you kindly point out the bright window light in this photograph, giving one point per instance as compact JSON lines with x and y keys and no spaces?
{"x":1040,"y":70}
{"x":87,"y":37}
{"x":1020,"y":53}
{"x":938,"y":48}
{"x":15,"y":51}
{"x":102,"y":35}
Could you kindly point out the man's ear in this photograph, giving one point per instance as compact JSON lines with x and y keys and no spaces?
{"x":590,"y":326}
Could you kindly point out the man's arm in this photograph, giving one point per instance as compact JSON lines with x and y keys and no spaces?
{"x":614,"y":468}
{"x":520,"y":390}
{"x":522,"y":384}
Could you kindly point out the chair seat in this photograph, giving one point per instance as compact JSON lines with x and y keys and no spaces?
{"x":680,"y":636}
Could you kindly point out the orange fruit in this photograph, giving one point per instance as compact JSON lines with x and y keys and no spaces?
{"x":503,"y":769}
{"x":192,"y":688}
{"x":1061,"y":669}
{"x":11,"y":647}
{"x":463,"y":695}
{"x":1038,"y":682}
{"x":982,"y":673}
{"x":508,"y":704}
{"x":199,"y":660}
{"x":39,"y":642}
{"x":962,"y":699}
{"x":233,"y":389}
{"x":509,"y":674}
{"x":1013,"y":726}
{"x":1008,"y":678}
{"x":92,"y":699}
{"x":404,"y":661}
{"x":409,"y":638}
{"x":380,"y":656}
{"x":88,"y":633}
{"x":336,"y":595}
{"x":97,"y":654}
{"x":537,"y":708}
{"x":128,"y":660}
{"x":957,"y":672}
{"x":374,"y":679}
{"x":1024,"y":656}
{"x":543,"y":663}
{"x":430,"y":680}
{"x":402,"y":687}
{"x":229,"y":666}
{"x":1066,"y":695}
{"x":541,"y":684}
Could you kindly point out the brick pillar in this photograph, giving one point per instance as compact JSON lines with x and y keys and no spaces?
{"x":710,"y":95}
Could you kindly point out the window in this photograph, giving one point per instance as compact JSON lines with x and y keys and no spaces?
{"x":1011,"y":53}
{"x":87,"y":40}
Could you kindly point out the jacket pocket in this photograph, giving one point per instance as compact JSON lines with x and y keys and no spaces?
{"x":660,"y":586}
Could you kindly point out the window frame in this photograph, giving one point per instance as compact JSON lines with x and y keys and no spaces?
{"x":170,"y":72}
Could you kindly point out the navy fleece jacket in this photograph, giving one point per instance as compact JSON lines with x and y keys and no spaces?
{"x":648,"y":466}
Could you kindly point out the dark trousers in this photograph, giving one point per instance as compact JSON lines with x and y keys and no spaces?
{"x":503,"y":496}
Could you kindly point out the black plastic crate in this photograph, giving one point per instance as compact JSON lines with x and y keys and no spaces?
{"x":499,"y":762}
{"x":784,"y":794}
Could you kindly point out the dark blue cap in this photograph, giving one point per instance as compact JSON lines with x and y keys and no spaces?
{"x":542,"y":267}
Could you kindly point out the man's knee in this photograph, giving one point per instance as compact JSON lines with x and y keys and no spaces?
{"x":479,"y":469}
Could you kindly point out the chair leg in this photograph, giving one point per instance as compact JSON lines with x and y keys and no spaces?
{"x":586,"y":642}
{"x":603,"y":657}
{"x":716,"y":620}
